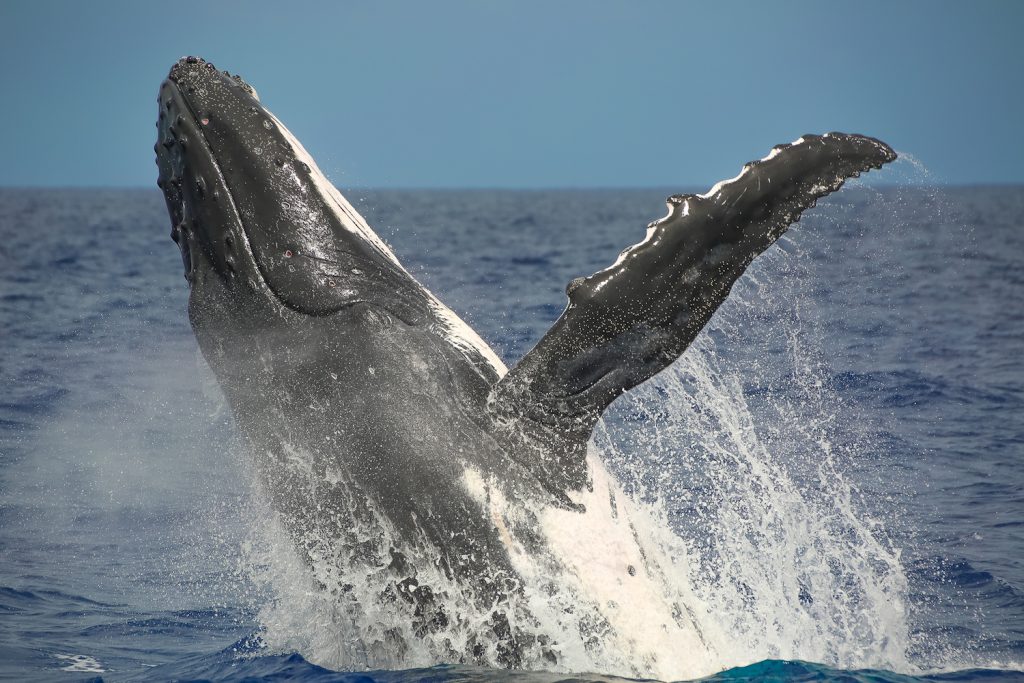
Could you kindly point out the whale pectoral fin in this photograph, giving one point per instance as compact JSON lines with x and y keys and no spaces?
{"x":627,"y":322}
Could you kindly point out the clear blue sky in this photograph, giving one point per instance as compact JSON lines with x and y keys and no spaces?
{"x":523,"y":94}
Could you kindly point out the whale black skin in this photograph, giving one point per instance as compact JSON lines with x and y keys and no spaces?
{"x":326,"y":347}
{"x":317,"y":336}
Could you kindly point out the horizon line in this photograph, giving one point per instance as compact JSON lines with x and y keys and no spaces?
{"x":521,"y":188}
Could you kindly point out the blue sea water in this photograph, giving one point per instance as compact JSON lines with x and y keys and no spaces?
{"x":125,"y":504}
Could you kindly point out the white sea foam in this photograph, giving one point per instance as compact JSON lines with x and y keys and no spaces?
{"x":783,"y":568}
{"x":788,"y":567}
{"x":717,"y":533}
{"x":80,"y":664}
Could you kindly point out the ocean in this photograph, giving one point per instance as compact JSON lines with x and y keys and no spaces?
{"x":840,"y":451}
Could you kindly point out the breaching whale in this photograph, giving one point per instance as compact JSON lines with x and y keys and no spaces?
{"x":393,"y":444}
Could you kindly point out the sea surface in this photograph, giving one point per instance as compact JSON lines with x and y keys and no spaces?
{"x":870,"y":364}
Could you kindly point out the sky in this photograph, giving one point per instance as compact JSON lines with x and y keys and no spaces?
{"x":524,"y":94}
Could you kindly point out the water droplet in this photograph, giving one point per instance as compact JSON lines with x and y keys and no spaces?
{"x":373,"y":371}
{"x":258,"y":151}
{"x":331,"y":283}
{"x":288,"y":253}
{"x":356,"y":271}
{"x":267,"y":124}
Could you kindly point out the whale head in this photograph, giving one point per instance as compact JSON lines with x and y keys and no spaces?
{"x":254,"y":217}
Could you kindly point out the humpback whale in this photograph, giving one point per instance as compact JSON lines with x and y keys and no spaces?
{"x":394,"y":446}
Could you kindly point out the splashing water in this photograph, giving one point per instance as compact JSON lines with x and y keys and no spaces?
{"x":123,"y":516}
{"x":742,"y":536}
{"x":749,"y":451}
{"x":786,"y":563}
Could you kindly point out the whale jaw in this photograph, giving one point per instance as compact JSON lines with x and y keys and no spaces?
{"x":248,"y":204}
